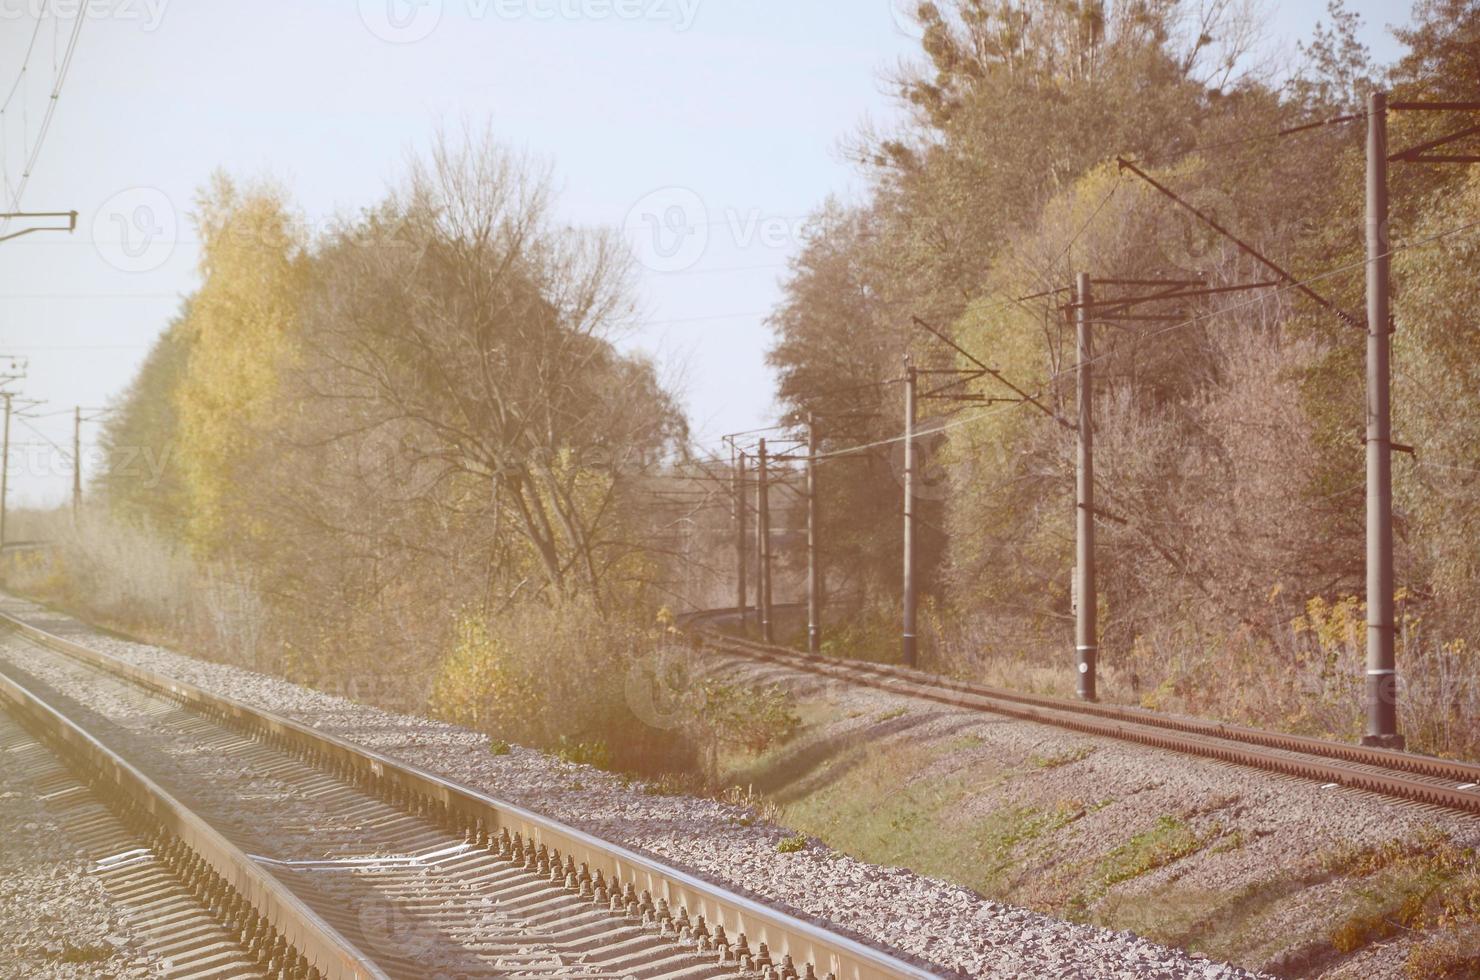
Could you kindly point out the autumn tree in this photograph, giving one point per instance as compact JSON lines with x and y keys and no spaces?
{"x":1229,"y":463}
{"x":141,"y":477}
{"x":239,"y":333}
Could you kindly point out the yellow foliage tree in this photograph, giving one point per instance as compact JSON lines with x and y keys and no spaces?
{"x":240,"y":331}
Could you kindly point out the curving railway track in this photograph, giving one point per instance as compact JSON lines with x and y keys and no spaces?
{"x":253,"y":845}
{"x":1426,"y":780}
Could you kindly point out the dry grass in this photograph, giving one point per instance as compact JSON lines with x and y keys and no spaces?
{"x":498,"y":679}
{"x":1305,"y":676}
{"x":1426,"y":883}
{"x":129,"y":579}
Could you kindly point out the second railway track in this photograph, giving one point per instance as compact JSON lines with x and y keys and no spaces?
{"x":321,"y":858}
{"x":1445,"y":783}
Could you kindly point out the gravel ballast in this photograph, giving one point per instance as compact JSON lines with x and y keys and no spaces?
{"x":1263,"y":869}
{"x":56,"y":919}
{"x":945,"y":925}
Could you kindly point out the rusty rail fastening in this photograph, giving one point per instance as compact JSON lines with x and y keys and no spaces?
{"x":742,"y":933}
{"x":1422,"y":779}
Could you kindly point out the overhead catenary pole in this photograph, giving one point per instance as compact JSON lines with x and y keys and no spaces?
{"x":814,"y":582}
{"x":1086,"y":605}
{"x":911,"y":379}
{"x":763,"y":544}
{"x":1382,"y":680}
{"x":6,"y":217}
{"x":76,"y":463}
{"x":5,"y":468}
{"x":740,"y":556}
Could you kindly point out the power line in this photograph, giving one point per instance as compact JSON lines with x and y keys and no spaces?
{"x":51,"y":106}
{"x":1045,"y":276}
{"x":10,"y":96}
{"x":1243,"y":246}
{"x":1328,"y":274}
{"x":1446,"y":466}
{"x":24,"y":421}
{"x":1198,"y":318}
{"x":25,"y":61}
{"x":854,"y":450}
{"x":1023,"y":395}
{"x":1262,"y":137}
{"x":731,"y":436}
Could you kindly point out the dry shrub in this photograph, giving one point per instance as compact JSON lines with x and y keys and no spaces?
{"x":1002,"y":651}
{"x":1451,"y":953}
{"x":1425,"y":884}
{"x":1228,"y":592}
{"x":555,"y":677}
{"x":1304,"y":675}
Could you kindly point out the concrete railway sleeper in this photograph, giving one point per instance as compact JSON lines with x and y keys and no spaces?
{"x":207,"y":910}
{"x":508,"y":891}
{"x":1427,"y":780}
{"x":140,"y":865}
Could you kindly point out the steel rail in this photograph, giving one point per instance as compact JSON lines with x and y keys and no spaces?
{"x":308,"y":941}
{"x":1423,"y":779}
{"x":488,"y":821}
{"x":142,"y":869}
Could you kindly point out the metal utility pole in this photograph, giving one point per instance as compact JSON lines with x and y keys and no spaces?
{"x":1382,"y":679}
{"x":814,"y":581}
{"x":740,"y":556}
{"x":1086,"y":605}
{"x":76,"y":463}
{"x":5,"y":467}
{"x":1382,"y":674}
{"x":911,"y":379}
{"x":763,"y":544}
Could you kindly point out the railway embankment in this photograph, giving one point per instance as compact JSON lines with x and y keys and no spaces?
{"x":1272,"y":872}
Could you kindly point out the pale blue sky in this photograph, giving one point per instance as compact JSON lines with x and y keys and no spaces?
{"x":735,"y":107}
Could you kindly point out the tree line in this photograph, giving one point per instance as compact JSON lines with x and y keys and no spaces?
{"x":417,"y":426}
{"x":1228,"y":432}
{"x":411,"y":426}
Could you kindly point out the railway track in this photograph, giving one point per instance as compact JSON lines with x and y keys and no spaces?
{"x":307,"y":856}
{"x":1421,"y":779}
{"x":189,"y":875}
{"x":134,"y":858}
